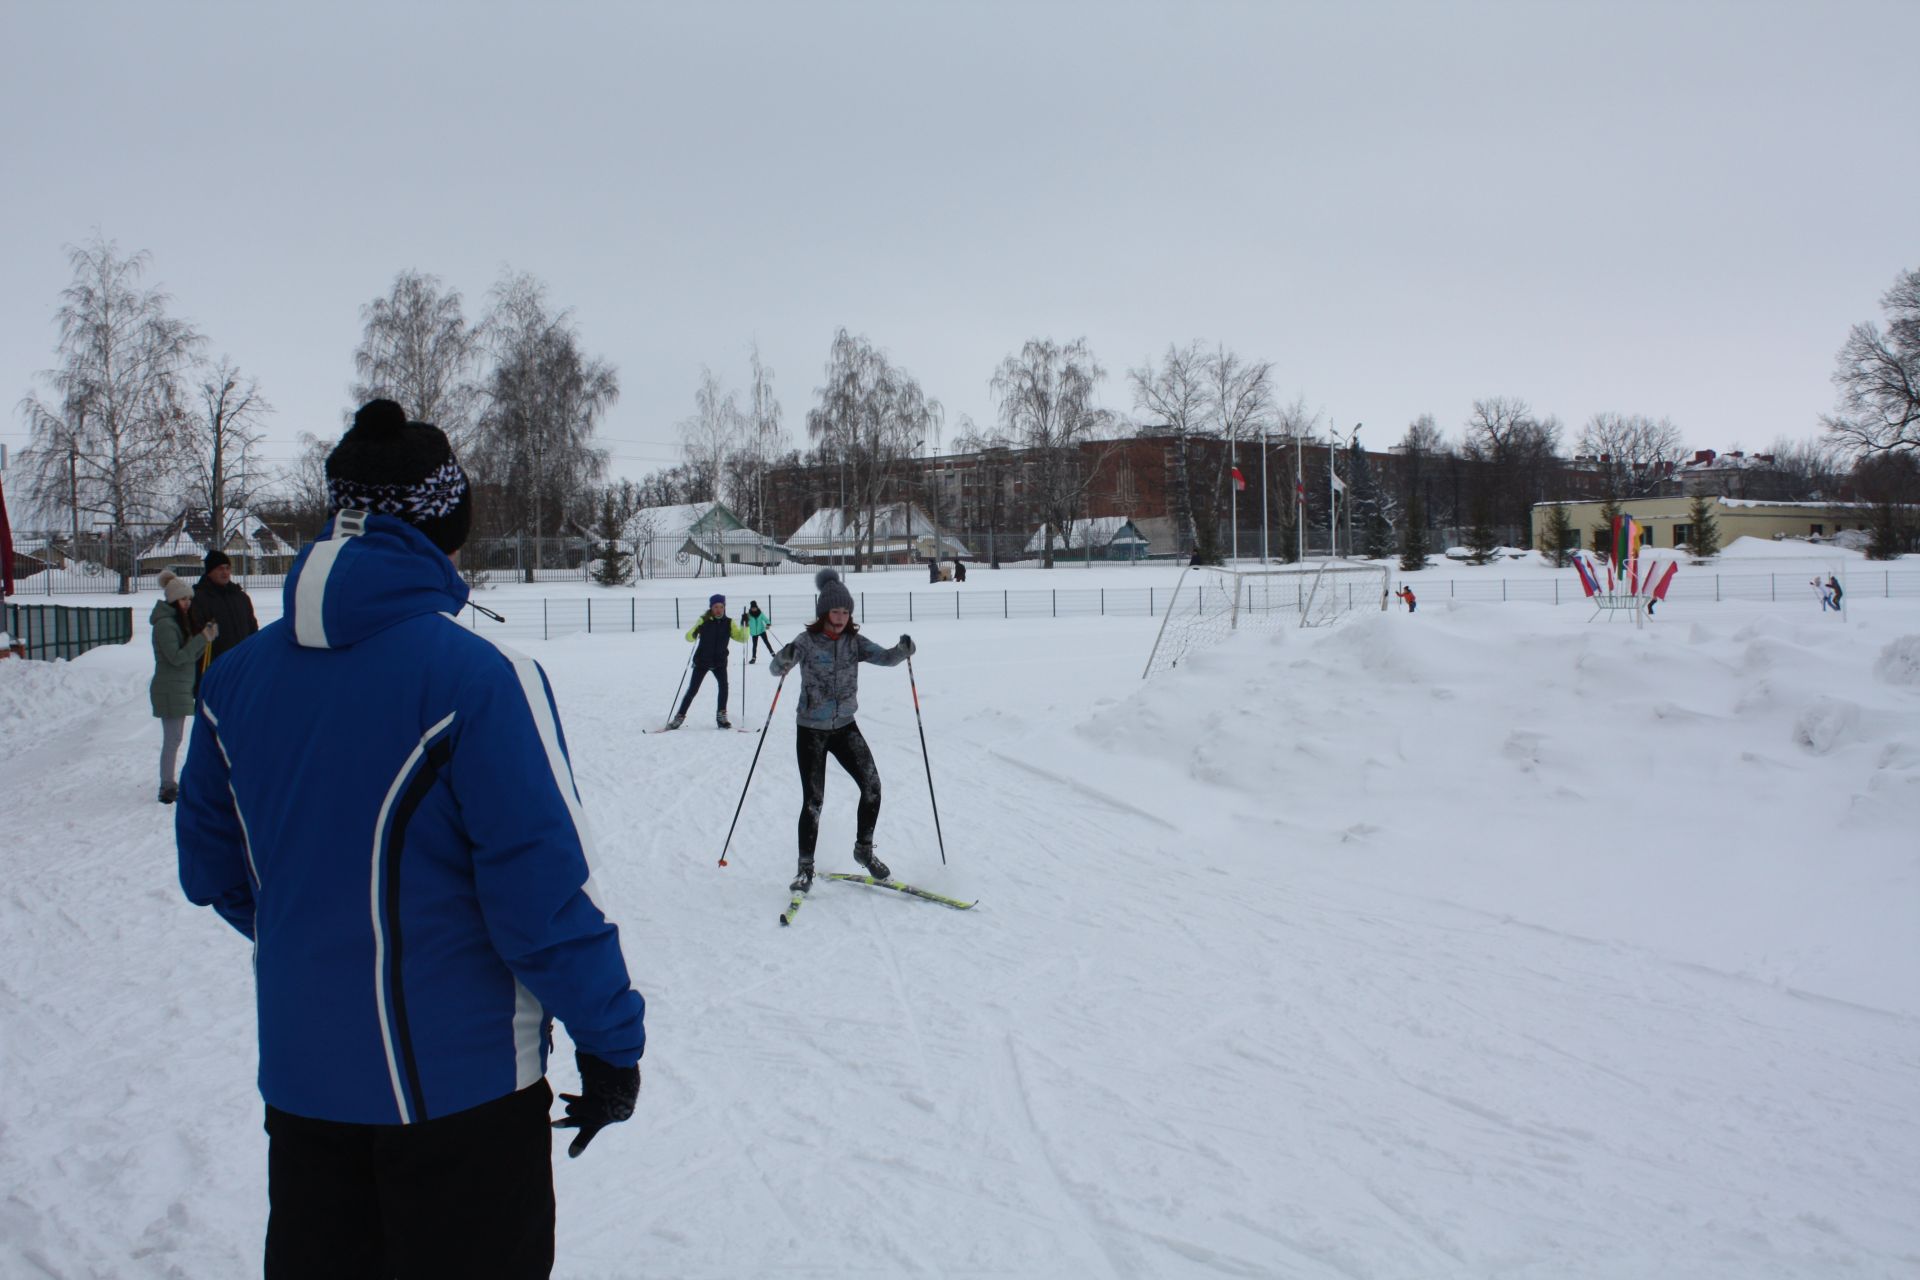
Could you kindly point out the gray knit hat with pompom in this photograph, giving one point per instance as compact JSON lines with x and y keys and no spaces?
{"x":833,"y":593}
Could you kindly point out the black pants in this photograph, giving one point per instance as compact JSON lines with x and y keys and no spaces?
{"x":470,"y":1194}
{"x":844,"y":744}
{"x":757,"y":642}
{"x":700,"y":670}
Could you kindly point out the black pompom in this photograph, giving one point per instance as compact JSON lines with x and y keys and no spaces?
{"x":379,"y":419}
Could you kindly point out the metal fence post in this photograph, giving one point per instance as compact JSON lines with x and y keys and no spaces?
{"x":1004,"y":606}
{"x":543,"y":619}
{"x":633,"y":614}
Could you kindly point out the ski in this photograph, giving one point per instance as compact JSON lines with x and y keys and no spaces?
{"x":793,"y":907}
{"x":910,"y":890}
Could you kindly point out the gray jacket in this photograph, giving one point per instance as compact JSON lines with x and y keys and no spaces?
{"x":830,"y":674}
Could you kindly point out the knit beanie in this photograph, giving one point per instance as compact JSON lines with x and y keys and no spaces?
{"x":386,"y":465}
{"x":716,"y":598}
{"x":173,"y":587}
{"x":833,"y":593}
{"x":215,"y":558}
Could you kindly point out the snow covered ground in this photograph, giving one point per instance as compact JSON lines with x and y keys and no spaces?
{"x":1476,"y":942}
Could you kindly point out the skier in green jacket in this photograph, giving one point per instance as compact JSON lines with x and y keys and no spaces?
{"x":756,"y":624}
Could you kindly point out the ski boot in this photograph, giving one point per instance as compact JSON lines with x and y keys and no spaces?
{"x":863,"y":854}
{"x":803,"y":881}
{"x":722,"y":722}
{"x":677,"y":721}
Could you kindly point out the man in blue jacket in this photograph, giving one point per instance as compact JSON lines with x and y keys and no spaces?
{"x":383,"y":802}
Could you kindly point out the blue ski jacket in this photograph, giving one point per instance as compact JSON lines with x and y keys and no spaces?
{"x":382,"y":800}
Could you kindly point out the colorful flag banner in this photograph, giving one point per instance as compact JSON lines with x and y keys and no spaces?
{"x":1666,"y":580}
{"x":1588,"y":582}
{"x":1239,"y":481}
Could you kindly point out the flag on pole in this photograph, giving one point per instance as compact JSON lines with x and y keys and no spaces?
{"x":1300,"y":492}
{"x":1666,"y":580}
{"x":1339,"y":485}
{"x":1588,"y":582}
{"x":1239,"y":481}
{"x":6,"y":551}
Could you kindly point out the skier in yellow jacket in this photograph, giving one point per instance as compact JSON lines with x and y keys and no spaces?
{"x":711,"y":633}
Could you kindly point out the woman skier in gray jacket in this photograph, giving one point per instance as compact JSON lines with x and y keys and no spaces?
{"x":829,"y":653}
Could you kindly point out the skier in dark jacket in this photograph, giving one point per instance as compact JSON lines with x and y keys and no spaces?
{"x":959,"y":569}
{"x":218,"y":598}
{"x":829,"y":653}
{"x":711,"y":633}
{"x":382,"y":801}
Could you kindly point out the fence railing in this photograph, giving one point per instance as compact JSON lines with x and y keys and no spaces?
{"x":51,"y":631}
{"x":549,"y":617}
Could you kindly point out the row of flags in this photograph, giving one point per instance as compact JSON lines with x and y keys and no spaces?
{"x":1299,"y":486}
{"x":1624,"y":560}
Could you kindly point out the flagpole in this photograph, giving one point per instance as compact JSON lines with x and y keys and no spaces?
{"x":1233,"y":490}
{"x":1299,"y":503}
{"x":1265,"y":502}
{"x":1333,"y":529}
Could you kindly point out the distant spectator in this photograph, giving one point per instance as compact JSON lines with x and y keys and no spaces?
{"x":933,"y":569}
{"x":959,"y":569}
{"x":1834,"y":589}
{"x":218,"y":598}
{"x":177,"y":647}
{"x":1406,"y":597}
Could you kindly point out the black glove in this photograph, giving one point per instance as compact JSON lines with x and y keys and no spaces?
{"x":906,"y":642}
{"x":607,"y":1094}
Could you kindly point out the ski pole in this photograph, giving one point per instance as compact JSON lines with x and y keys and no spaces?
{"x":927,"y":760}
{"x":750,"y":768}
{"x":671,"y":706}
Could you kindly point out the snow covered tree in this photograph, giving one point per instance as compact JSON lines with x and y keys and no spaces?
{"x":1703,"y":532}
{"x":1481,"y":538}
{"x":1413,"y":537}
{"x":613,"y":566}
{"x":104,"y":444}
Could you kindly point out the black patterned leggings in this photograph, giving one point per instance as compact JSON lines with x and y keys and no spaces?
{"x":812,"y":747}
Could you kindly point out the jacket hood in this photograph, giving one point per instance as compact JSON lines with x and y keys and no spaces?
{"x":342,"y":590}
{"x":161,"y":611}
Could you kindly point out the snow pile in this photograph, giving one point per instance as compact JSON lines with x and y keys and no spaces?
{"x":1476,"y":941}
{"x":1899,"y":662}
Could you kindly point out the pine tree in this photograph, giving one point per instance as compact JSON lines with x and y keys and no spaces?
{"x":614,"y":566}
{"x":1703,"y":533}
{"x":1481,"y":539}
{"x":1560,"y":537}
{"x":1889,"y":539}
{"x":1610,"y":510}
{"x":1413,"y":537}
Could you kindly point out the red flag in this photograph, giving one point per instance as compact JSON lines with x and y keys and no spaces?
{"x":1239,"y":481}
{"x":6,"y":548}
{"x":1666,"y":580}
{"x":1300,"y":492}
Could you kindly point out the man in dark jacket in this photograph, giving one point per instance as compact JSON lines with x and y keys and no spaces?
{"x":218,"y":598}
{"x":382,"y":801}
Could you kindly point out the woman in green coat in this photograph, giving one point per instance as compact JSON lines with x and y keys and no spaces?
{"x":176,"y":655}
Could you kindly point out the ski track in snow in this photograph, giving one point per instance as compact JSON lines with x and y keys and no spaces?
{"x":1317,"y":957}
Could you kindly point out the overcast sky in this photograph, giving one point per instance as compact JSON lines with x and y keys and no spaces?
{"x":1669,"y":208}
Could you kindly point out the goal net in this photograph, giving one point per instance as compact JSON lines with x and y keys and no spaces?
{"x":1210,"y":603}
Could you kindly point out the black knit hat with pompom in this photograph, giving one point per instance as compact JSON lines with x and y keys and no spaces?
{"x":386,"y":465}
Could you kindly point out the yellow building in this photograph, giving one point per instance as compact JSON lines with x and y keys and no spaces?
{"x":1668,"y":521}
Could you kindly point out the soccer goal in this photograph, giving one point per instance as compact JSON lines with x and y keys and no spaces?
{"x":1210,"y":603}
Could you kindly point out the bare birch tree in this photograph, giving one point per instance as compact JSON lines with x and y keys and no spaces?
{"x":1175,"y":392}
{"x":714,"y":430}
{"x":1045,"y":393}
{"x":533,"y":441}
{"x":871,"y":415}
{"x":103,"y":441}
{"x":417,"y":349}
{"x":217,"y":446}
{"x":1635,"y":450}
